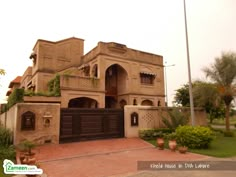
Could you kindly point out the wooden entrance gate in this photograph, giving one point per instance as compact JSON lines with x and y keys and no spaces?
{"x":85,"y":124}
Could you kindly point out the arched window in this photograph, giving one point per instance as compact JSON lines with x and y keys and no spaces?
{"x":159,"y":103}
{"x":123,"y":103}
{"x":134,"y":102}
{"x":147,"y":103}
{"x":28,"y":121}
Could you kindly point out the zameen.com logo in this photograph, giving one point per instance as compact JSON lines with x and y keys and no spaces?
{"x":11,"y":168}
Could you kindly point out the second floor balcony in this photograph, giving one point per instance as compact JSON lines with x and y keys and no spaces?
{"x":80,"y":83}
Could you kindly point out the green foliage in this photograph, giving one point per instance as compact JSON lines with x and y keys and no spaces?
{"x":194,"y":137}
{"x":223,"y":73}
{"x":54,"y":86}
{"x":27,"y":146}
{"x":7,"y":153}
{"x":221,"y":146}
{"x":17,"y":96}
{"x":205,"y":94}
{"x":171,"y":136}
{"x":182,"y":96}
{"x":228,"y":133}
{"x":176,"y":118}
{"x":2,"y":72}
{"x":148,"y":134}
{"x":7,"y":150}
{"x":6,"y":137}
{"x":32,"y":93}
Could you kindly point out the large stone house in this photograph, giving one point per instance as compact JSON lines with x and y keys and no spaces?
{"x":109,"y":76}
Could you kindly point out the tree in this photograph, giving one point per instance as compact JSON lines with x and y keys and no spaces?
{"x":223,"y":74}
{"x":2,"y":72}
{"x":182,"y":96}
{"x":206,"y":95}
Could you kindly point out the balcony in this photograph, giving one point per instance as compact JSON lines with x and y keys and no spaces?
{"x":80,"y":83}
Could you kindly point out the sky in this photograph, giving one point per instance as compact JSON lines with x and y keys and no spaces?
{"x":155,"y":26}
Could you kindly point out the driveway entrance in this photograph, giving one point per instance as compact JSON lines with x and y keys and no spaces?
{"x":85,"y":124}
{"x":103,"y":158}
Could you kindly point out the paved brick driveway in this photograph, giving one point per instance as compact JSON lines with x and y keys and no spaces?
{"x":103,"y":158}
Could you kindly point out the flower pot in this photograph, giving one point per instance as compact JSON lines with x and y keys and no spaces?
{"x":21,"y":157}
{"x":172,"y":145}
{"x":183,"y":149}
{"x":160,"y":143}
{"x":32,"y":161}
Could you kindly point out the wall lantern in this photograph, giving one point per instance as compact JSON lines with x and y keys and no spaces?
{"x":134,"y":119}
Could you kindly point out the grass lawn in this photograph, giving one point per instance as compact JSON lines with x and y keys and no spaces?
{"x":220,"y":147}
{"x":222,"y":121}
{"x":1,"y":170}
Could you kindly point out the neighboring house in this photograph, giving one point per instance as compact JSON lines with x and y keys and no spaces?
{"x":109,"y":76}
{"x":16,"y":83}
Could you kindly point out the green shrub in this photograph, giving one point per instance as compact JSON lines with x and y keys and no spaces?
{"x":194,"y":137}
{"x":228,"y":133}
{"x":16,"y":96}
{"x":5,"y":137}
{"x":171,"y":136}
{"x":175,"y":119}
{"x":27,"y":146}
{"x":7,"y":153}
{"x":148,"y":134}
{"x":54,"y":86}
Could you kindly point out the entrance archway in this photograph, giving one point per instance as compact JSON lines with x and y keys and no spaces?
{"x":115,"y":84}
{"x":82,"y":102}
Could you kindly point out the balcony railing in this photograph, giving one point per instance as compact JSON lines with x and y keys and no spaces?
{"x":79,"y":83}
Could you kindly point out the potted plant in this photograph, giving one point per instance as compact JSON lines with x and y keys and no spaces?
{"x":21,"y":152}
{"x":160,"y":140}
{"x":29,"y":145}
{"x":183,"y":148}
{"x":29,"y":155}
{"x":172,"y":141}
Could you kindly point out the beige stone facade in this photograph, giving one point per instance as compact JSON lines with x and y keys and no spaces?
{"x":46,"y":122}
{"x":150,"y":117}
{"x":109,"y":76}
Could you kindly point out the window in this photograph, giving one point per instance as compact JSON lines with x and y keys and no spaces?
{"x":28,"y":121}
{"x":159,"y":103}
{"x":134,"y":102}
{"x":147,"y":78}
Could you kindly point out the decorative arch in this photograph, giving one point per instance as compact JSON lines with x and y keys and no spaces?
{"x":123,"y":103}
{"x":82,"y":102}
{"x":125,"y":68}
{"x":147,"y":103}
{"x":115,"y":84}
{"x":28,"y":121}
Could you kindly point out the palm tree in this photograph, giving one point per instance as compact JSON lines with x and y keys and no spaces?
{"x":2,"y":72}
{"x":223,"y":74}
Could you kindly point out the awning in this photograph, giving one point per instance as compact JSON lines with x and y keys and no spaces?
{"x":147,"y":73}
{"x":84,"y":66}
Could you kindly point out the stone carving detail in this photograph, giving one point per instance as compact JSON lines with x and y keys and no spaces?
{"x":47,"y":119}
